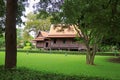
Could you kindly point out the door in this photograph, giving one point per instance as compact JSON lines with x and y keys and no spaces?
{"x":46,"y":44}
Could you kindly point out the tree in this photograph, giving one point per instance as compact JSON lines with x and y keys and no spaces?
{"x":27,"y":36}
{"x":36,"y":23}
{"x":10,"y":34}
{"x":20,"y":38}
{"x":92,"y":18}
{"x":88,"y":18}
{"x":114,"y":19}
{"x":48,"y":6}
{"x":95,"y":20}
{"x":14,"y":10}
{"x":80,"y":14}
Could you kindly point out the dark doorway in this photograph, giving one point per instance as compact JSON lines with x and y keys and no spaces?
{"x":54,"y":41}
{"x":46,"y":44}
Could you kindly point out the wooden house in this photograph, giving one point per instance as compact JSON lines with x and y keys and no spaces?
{"x":59,"y":38}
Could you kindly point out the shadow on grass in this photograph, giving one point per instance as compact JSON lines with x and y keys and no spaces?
{"x":115,"y":60}
{"x":27,"y":74}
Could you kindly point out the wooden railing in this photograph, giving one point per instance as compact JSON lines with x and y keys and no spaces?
{"x":73,"y":46}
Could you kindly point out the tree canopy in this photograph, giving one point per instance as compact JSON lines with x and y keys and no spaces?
{"x":35,"y":23}
{"x":93,"y":18}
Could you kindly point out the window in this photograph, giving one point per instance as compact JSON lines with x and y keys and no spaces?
{"x":73,"y":41}
{"x":54,"y":41}
{"x":64,"y":41}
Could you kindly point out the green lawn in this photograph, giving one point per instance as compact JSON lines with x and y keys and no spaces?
{"x":68,"y":65}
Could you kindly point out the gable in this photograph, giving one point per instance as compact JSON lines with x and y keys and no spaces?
{"x":41,"y":36}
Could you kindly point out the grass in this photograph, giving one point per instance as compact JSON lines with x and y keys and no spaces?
{"x":67,"y":65}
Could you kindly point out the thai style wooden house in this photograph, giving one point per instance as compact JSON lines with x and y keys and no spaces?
{"x":59,"y":38}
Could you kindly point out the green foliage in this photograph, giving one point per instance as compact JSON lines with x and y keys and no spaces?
{"x":19,"y":21}
{"x":2,"y":8}
{"x":101,"y":17}
{"x":37,"y":22}
{"x":20,"y":38}
{"x":80,"y":40}
{"x":102,"y":51}
{"x":2,"y":41}
{"x":27,"y":36}
{"x":95,"y":19}
{"x":83,"y":14}
{"x":36,"y":75}
{"x":27,"y":46}
{"x":42,"y":15}
{"x":105,"y":48}
{"x":21,"y":9}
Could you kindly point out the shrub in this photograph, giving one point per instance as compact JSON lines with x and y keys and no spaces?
{"x":26,"y":74}
{"x":27,"y":46}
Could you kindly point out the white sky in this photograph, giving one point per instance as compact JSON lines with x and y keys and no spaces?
{"x":29,"y":8}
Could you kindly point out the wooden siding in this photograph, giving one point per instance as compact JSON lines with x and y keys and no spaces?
{"x":60,"y":44}
{"x":40,"y":44}
{"x":65,"y":44}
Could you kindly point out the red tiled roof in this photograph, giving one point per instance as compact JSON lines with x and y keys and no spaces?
{"x":41,"y":36}
{"x":62,"y":32}
{"x":57,"y":32}
{"x":44,"y":34}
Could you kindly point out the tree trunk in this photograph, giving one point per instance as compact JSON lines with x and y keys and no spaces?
{"x":93,"y":53}
{"x":90,"y":58}
{"x":10,"y":35}
{"x":90,"y":55}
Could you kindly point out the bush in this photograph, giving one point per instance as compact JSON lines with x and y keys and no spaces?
{"x":27,"y":46}
{"x":26,"y":74}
